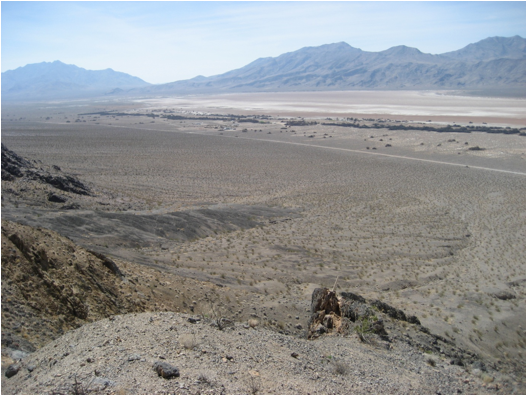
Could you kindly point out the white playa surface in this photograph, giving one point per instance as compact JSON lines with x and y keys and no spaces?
{"x":444,"y":106}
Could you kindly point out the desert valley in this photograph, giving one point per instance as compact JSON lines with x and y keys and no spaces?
{"x":196,"y":231}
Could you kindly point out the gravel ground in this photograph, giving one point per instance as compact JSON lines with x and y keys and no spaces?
{"x":117,"y":356}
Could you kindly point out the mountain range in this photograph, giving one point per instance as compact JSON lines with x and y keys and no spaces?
{"x":49,"y":80}
{"x":494,"y":63}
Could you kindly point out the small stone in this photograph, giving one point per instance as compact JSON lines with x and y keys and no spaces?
{"x":133,"y":357}
{"x":104,"y":382}
{"x":57,"y":198}
{"x":12,"y":370}
{"x":166,"y":370}
{"x":294,"y":354}
{"x":90,"y":360}
{"x":479,"y":365}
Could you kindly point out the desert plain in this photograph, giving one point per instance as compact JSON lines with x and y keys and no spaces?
{"x":431,"y":222}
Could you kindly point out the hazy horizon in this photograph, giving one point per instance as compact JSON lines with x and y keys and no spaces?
{"x":162,"y":42}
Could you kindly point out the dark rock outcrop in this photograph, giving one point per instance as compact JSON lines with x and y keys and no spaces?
{"x":16,"y":167}
{"x":57,"y":198}
{"x":13,"y":164}
{"x":375,"y":321}
{"x":64,"y":183}
{"x":331,"y":313}
{"x":108,"y":263}
{"x":394,"y":312}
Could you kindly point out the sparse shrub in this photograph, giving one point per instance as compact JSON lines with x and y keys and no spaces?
{"x":204,"y":378}
{"x":188,"y":341}
{"x":254,"y":384}
{"x":431,"y":362}
{"x":487,"y":378}
{"x":78,"y":388}
{"x":365,"y":328}
{"x":340,"y":368}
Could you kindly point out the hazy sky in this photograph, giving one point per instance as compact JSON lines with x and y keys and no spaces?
{"x":169,"y":41}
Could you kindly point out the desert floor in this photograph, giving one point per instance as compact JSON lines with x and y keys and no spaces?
{"x":424,"y":224}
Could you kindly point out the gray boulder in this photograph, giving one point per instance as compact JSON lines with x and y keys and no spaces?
{"x":166,"y":370}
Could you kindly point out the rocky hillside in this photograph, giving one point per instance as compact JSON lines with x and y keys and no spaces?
{"x":50,"y":285}
{"x":15,"y":166}
{"x":32,"y":183}
{"x":496,"y":62}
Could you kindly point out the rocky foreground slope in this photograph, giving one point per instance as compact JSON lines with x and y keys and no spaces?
{"x":119,"y":355}
{"x":52,"y":307}
{"x":68,"y":326}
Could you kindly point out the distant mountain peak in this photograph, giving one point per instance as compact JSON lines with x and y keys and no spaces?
{"x":340,"y":46}
{"x":491,"y":48}
{"x":402,"y":50}
{"x":57,"y":79}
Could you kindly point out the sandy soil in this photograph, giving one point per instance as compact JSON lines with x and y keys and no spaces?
{"x":427,"y":224}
